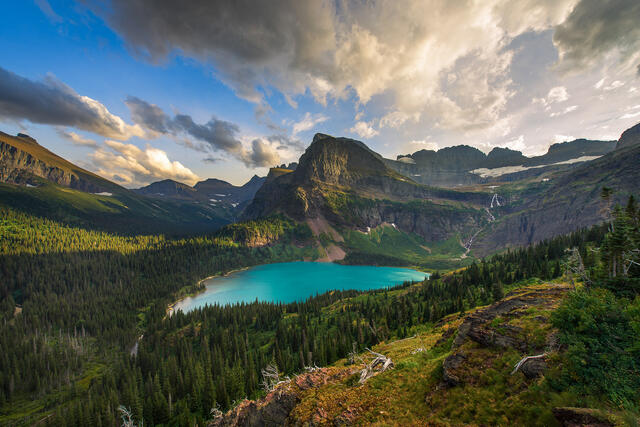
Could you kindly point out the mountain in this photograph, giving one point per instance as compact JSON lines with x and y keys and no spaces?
{"x":564,"y":202}
{"x":168,"y":188}
{"x":35,"y":180}
{"x":353,"y":202}
{"x":213,"y":191}
{"x":463,"y":165}
{"x":21,"y":158}
{"x":630,"y":137}
{"x":341,"y":188}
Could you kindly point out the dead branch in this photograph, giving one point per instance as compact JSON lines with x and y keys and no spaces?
{"x":271,"y":378}
{"x":574,"y":266}
{"x":127,"y":417}
{"x":380,"y":363}
{"x":524,"y":359}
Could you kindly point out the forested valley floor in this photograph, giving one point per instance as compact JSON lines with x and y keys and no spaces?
{"x":75,"y":302}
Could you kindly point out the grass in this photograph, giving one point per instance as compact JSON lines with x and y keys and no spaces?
{"x":411,"y":393}
{"x":386,"y":240}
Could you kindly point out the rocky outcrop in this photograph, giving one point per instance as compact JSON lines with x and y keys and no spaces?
{"x":481,"y":329}
{"x":582,"y":417}
{"x":274,"y":409}
{"x":629,"y":137}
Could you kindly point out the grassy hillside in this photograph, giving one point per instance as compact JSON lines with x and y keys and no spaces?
{"x":386,"y":245}
{"x":123,"y":212}
{"x":412,"y":393}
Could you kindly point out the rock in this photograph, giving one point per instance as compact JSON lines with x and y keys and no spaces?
{"x":629,"y":137}
{"x":450,"y":364}
{"x":275,"y":407}
{"x":574,"y":417}
{"x":533,"y":368}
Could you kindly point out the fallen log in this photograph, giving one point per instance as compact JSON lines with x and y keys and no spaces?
{"x":524,"y":360}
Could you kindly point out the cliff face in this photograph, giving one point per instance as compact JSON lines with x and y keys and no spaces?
{"x":565,"y":203}
{"x":453,"y":166}
{"x":18,"y":165}
{"x":629,"y":137}
{"x":343,"y":181}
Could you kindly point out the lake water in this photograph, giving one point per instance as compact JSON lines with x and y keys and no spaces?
{"x":295,"y":281}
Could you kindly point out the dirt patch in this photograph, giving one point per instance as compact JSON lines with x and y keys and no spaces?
{"x":333,"y":253}
{"x":320,"y":225}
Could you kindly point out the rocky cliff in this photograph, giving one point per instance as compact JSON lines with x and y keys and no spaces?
{"x":22,"y":158}
{"x":458,"y":166}
{"x":343,"y":181}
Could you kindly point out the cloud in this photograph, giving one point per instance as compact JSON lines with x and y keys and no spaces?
{"x":364,"y":130}
{"x":630,"y":115}
{"x":77,"y":139}
{"x":218,"y":135}
{"x":562,"y":138}
{"x":395,"y":119}
{"x":556,"y":94}
{"x":46,"y":8}
{"x":52,"y":102}
{"x":262,"y":154}
{"x":308,"y":122}
{"x":565,"y":111}
{"x":596,"y":29}
{"x":211,"y":159}
{"x":133,"y":166}
{"x":336,"y":50}
{"x":424,"y":145}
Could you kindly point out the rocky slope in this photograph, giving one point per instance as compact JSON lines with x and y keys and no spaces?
{"x":21,"y":157}
{"x":566,"y":202}
{"x":460,"y":165}
{"x":36,"y":180}
{"x":630,"y":137}
{"x":458,"y":372}
{"x":344,"y":182}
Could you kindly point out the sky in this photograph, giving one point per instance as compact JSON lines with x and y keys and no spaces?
{"x":139,"y":91}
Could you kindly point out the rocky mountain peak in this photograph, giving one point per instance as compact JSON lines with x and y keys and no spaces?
{"x":629,"y":137}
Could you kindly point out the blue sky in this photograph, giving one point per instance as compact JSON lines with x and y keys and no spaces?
{"x":218,"y":89}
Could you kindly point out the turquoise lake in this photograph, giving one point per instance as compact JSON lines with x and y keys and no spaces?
{"x":295,"y":281}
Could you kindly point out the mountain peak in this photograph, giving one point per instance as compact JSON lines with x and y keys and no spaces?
{"x":319,"y":136}
{"x":629,"y":137}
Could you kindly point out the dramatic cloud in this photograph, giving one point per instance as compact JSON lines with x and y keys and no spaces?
{"x":308,"y":122}
{"x":364,"y":130}
{"x":439,"y":61}
{"x":133,"y":166}
{"x":52,"y":102}
{"x":219,"y":135}
{"x":555,"y":95}
{"x":77,"y":139}
{"x":597,"y":28}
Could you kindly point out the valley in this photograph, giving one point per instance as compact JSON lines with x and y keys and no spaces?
{"x":90,"y":269}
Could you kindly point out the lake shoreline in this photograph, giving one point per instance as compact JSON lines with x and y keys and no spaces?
{"x":171,"y":307}
{"x":391,"y":276}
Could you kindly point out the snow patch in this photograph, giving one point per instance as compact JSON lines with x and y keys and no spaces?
{"x":104,"y":193}
{"x":492,"y":173}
